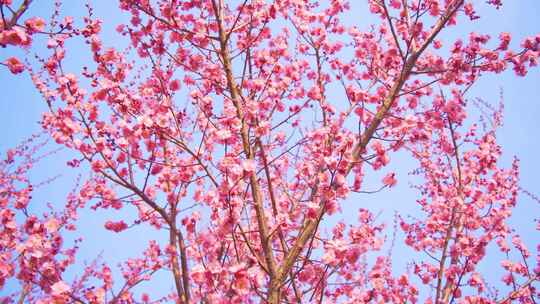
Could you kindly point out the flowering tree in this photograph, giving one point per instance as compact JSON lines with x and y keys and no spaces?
{"x":236,"y":128}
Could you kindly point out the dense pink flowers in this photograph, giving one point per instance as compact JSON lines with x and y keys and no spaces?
{"x":16,"y":37}
{"x":244,"y":134}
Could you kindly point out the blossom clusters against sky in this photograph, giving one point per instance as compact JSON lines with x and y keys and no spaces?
{"x":21,"y":107}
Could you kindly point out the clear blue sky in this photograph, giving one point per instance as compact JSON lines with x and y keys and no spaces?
{"x":21,"y":105}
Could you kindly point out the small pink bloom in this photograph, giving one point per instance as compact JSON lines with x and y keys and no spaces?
{"x":312,"y":210}
{"x":198,"y":274}
{"x":35,"y":24}
{"x":395,"y":4}
{"x":52,"y":225}
{"x":390,"y":180}
{"x":174,"y":85}
{"x":59,"y":288}
{"x":147,"y":122}
{"x":249,"y":165}
{"x":156,"y":169}
{"x":14,"y":65}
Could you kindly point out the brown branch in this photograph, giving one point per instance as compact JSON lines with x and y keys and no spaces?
{"x":184,"y":264}
{"x":16,"y":15}
{"x":254,"y":183}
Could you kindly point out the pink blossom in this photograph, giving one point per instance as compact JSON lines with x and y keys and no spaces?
{"x":35,"y":24}
{"x":249,"y":165}
{"x":174,"y":85}
{"x":59,"y":288}
{"x":116,"y":226}
{"x":14,"y":65}
{"x":390,"y":180}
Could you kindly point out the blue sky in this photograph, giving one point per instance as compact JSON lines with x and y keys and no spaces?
{"x":21,"y":105}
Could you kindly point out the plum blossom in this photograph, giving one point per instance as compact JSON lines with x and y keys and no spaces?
{"x":14,"y":65}
{"x":390,"y":179}
{"x":60,"y":288}
{"x":242,"y":134}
